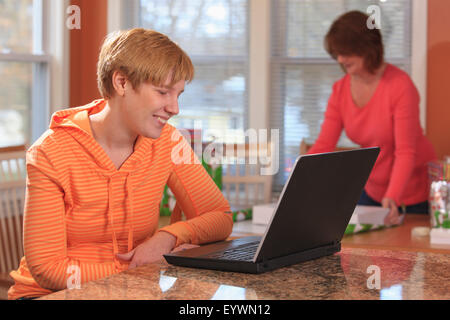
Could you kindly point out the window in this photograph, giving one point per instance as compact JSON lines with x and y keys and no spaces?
{"x":215,"y":35}
{"x":24,"y":71}
{"x":275,"y":46}
{"x":302,"y":73}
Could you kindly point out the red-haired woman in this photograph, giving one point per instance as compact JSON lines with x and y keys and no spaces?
{"x":377,"y":104}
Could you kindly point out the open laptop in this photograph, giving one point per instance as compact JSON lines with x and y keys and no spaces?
{"x":309,"y":221}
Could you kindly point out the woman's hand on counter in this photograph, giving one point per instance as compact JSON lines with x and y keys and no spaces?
{"x":393,"y":217}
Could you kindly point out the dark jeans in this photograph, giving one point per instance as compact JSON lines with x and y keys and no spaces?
{"x":414,"y":208}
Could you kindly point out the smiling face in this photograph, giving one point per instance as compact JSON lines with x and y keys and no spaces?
{"x":147,"y":109}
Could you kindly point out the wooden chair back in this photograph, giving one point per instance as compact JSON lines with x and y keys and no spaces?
{"x":243,"y":185}
{"x":304,"y":147}
{"x":244,"y":181}
{"x":12,"y":197}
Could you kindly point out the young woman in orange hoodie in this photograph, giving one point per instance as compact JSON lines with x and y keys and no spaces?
{"x":95,"y":179}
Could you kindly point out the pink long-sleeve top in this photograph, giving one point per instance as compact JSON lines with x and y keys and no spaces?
{"x":389,"y":120}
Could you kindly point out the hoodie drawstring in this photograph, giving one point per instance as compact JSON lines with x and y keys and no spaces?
{"x":111,"y":222}
{"x":130,"y":212}
{"x":130,"y":206}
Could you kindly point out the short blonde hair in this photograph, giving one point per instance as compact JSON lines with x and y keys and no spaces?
{"x":143,"y":56}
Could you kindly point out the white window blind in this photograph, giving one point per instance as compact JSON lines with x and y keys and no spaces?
{"x":215,"y":35}
{"x":302,"y":73}
{"x":24,"y":69}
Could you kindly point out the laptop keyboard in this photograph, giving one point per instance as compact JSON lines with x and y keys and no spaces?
{"x":244,"y":252}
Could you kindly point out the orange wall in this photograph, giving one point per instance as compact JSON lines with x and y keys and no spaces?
{"x":85,"y":45}
{"x":438,"y":76}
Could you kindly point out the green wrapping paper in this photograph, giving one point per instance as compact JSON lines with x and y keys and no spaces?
{"x":359,"y":228}
{"x":215,"y":172}
{"x":165,"y":209}
{"x":241,"y":215}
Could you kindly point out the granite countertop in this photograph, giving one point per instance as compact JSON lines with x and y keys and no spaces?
{"x":345,"y":275}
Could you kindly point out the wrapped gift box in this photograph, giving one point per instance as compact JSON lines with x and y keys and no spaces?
{"x":367,"y":218}
{"x":364,"y":218}
{"x":262,"y":213}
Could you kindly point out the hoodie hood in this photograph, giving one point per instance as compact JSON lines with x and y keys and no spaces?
{"x":78,"y":117}
{"x":75,"y":121}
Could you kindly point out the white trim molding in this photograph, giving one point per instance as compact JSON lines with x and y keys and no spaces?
{"x":24,"y":57}
{"x":259,"y":64}
{"x":56,"y":44}
{"x":419,"y":53}
{"x":115,"y":15}
{"x":122,"y":14}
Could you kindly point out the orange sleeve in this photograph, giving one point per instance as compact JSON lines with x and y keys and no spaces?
{"x":45,"y":244}
{"x":208,"y":215}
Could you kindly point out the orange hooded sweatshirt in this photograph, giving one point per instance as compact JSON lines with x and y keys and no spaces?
{"x":80,"y":210}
